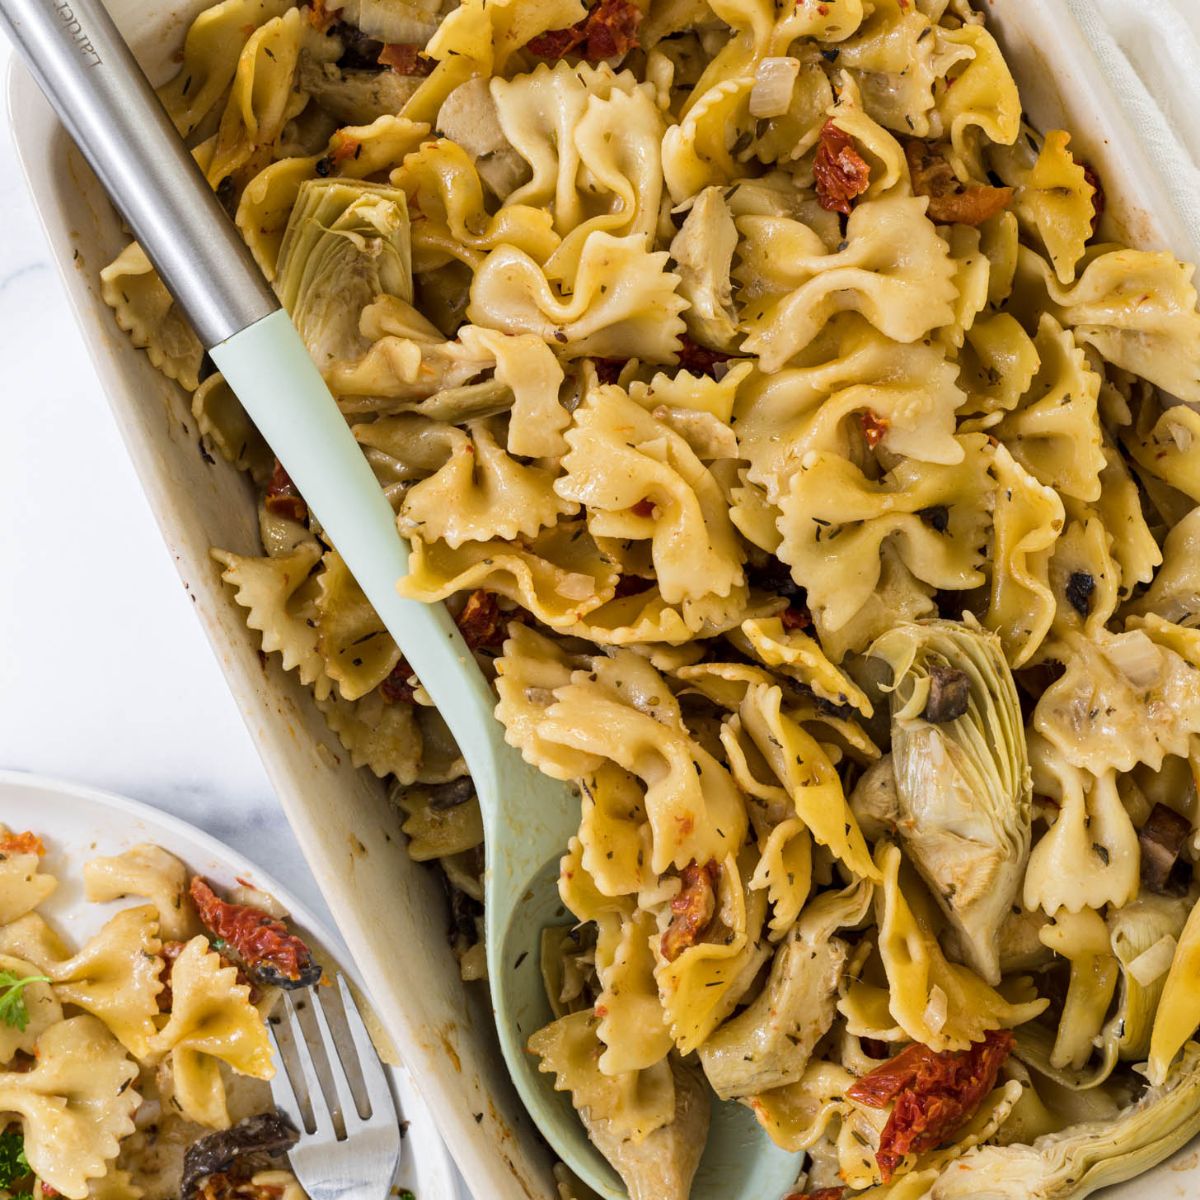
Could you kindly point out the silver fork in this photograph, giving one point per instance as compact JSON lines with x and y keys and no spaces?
{"x":333,"y":1087}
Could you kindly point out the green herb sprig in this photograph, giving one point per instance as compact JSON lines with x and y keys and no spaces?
{"x":12,"y":998}
{"x":13,"y":1163}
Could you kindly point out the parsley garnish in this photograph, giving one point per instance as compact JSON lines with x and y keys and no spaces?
{"x":13,"y":1164}
{"x":220,"y":945}
{"x":12,"y":1001}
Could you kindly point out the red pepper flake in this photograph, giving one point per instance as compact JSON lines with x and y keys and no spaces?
{"x":405,"y":58}
{"x":693,"y":909}
{"x":347,"y":147}
{"x":1099,"y":200}
{"x":262,"y":943}
{"x":283,"y":498}
{"x":608,"y":31}
{"x":874,"y":427}
{"x":699,"y":360}
{"x":22,"y":843}
{"x":932,"y":1094}
{"x":823,"y":9}
{"x":840,"y":172}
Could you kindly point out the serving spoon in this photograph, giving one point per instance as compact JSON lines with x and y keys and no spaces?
{"x":87,"y":72}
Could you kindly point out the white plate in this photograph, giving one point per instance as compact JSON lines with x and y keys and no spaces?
{"x":77,"y":823}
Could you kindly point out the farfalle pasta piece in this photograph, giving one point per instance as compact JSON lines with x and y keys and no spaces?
{"x":144,"y":308}
{"x":1165,"y":443}
{"x":115,"y":976}
{"x":768,"y":1044}
{"x":572,"y":123}
{"x":280,"y":604}
{"x":42,"y":1009}
{"x":1089,"y":857}
{"x":1053,"y":199}
{"x":623,"y":302}
{"x":784,"y":871}
{"x":1026,"y":522}
{"x":696,"y":152}
{"x":835,"y":523}
{"x":997,"y":363}
{"x":482,"y":493}
{"x":478,"y":38}
{"x":641,"y":480}
{"x":908,"y":394}
{"x":357,"y":651}
{"x":381,"y":735}
{"x":981,"y":95}
{"x":1136,"y":307}
{"x":895,"y":270}
{"x":703,"y":984}
{"x":444,"y":187}
{"x":1124,"y":698}
{"x":633,"y":1025}
{"x":1082,"y":938}
{"x":693,"y":806}
{"x":149,"y":872}
{"x":74,"y":1106}
{"x":261,"y":98}
{"x":1174,"y":593}
{"x":211,"y":51}
{"x":1054,"y":431}
{"x":703,"y":250}
{"x":211,"y":1021}
{"x":23,"y":886}
{"x":559,"y":576}
{"x":570,"y":1049}
{"x":440,"y":822}
{"x":528,"y":673}
{"x":916,"y":966}
{"x":799,"y":656}
{"x":807,"y":776}
{"x":614,"y":833}
{"x":225,"y":426}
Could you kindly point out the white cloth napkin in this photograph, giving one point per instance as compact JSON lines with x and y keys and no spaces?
{"x":1150,"y":50}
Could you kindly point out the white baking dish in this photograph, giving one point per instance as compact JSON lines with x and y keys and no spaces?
{"x":390,"y":911}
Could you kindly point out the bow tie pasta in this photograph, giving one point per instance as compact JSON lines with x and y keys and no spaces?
{"x":816,"y":481}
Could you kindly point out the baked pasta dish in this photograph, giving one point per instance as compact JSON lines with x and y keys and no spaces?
{"x":817,"y":480}
{"x":134,"y":1066}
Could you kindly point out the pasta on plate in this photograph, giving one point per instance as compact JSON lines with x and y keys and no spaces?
{"x":135,"y":1067}
{"x":817,"y":483}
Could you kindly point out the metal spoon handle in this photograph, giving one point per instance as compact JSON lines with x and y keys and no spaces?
{"x":87,"y":72}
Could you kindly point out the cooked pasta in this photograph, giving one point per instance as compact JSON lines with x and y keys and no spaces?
{"x":118,"y":1061}
{"x":817,"y":483}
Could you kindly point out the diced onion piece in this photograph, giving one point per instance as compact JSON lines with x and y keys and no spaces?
{"x":1137,"y":658}
{"x":937,"y":1010}
{"x":576,"y":587}
{"x":1181,"y":435}
{"x":1154,"y":963}
{"x":773,"y":82}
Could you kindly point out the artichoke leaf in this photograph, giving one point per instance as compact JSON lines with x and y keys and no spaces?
{"x":1078,"y":1160}
{"x":346,"y":244}
{"x":963,"y":785}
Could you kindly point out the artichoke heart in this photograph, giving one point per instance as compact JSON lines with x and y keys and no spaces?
{"x":962,"y":775}
{"x":346,"y":243}
{"x":1074,"y":1162}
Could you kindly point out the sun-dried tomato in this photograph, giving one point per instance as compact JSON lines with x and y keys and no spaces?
{"x":481,"y":621}
{"x":1099,"y":200}
{"x":608,"y":370}
{"x":608,"y":31}
{"x":796,"y":617}
{"x":22,"y":843}
{"x":874,"y":427}
{"x":833,"y":1193}
{"x":397,"y":688}
{"x":225,"y":1185}
{"x":699,"y":360}
{"x":839,"y":171}
{"x":950,"y":201}
{"x":347,"y":147}
{"x":932,"y":1094}
{"x":692,"y":909}
{"x":283,"y":497}
{"x":405,"y":58}
{"x":319,"y":17}
{"x":263,"y":945}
